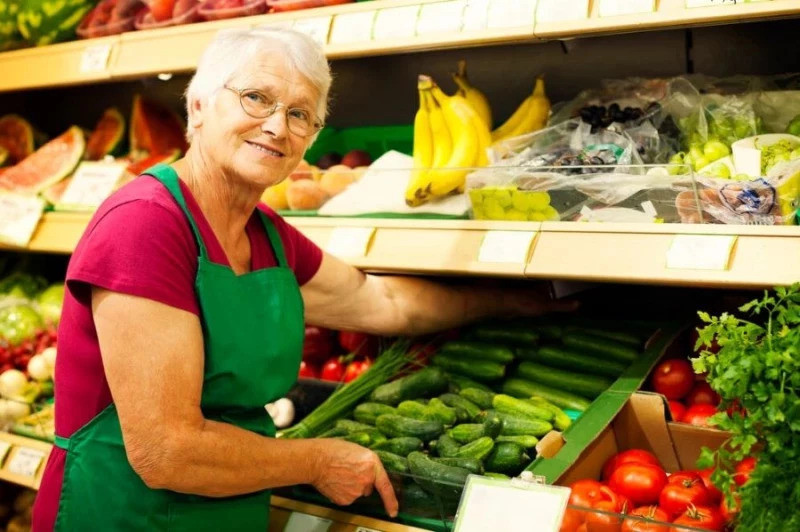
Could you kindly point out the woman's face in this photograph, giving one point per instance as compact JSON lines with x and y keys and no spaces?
{"x":261,"y":151}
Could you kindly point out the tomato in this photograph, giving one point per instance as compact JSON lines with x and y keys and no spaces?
{"x":698,"y":415}
{"x":743,"y":469}
{"x":585,"y":493}
{"x":651,"y":513}
{"x":605,"y":519}
{"x":641,"y":483}
{"x":333,"y":370}
{"x":705,"y":476}
{"x":317,"y":344}
{"x":676,"y":410}
{"x":673,"y":378}
{"x":728,"y":513}
{"x":702,"y":394}
{"x":631,"y":456}
{"x":572,"y":520}
{"x":362,"y":344}
{"x":356,"y":368}
{"x":161,"y":9}
{"x":700,"y":517}
{"x":308,"y":371}
{"x":682,"y":491}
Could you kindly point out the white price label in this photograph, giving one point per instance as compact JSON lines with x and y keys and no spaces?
{"x":561,"y":10}
{"x":315,"y":27}
{"x":19,"y":216}
{"x":299,"y":522}
{"x":352,"y":27}
{"x":475,"y":15}
{"x":25,"y":462}
{"x":395,"y":23}
{"x":441,"y":17}
{"x":350,"y":241}
{"x":4,"y":448}
{"x":510,"y":247}
{"x":365,"y":529}
{"x":95,"y":58}
{"x":511,"y":13}
{"x":92,"y":183}
{"x":700,"y":252}
{"x":712,"y":3}
{"x":611,"y":8}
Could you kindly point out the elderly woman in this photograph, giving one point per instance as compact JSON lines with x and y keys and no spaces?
{"x":185,"y":310}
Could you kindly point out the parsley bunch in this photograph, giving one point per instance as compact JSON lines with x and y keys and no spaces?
{"x":757,"y":374}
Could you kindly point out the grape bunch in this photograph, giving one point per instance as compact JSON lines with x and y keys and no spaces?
{"x":600,"y":116}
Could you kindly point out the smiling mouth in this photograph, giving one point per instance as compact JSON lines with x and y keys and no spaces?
{"x":262,"y":148}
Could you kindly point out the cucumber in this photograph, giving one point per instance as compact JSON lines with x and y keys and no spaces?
{"x":623,"y":337}
{"x":526,"y":441}
{"x":561,"y":420}
{"x":592,"y":344}
{"x":514,"y":425}
{"x":570,"y":359}
{"x":465,"y":409}
{"x":505,"y":334}
{"x":508,"y":458}
{"x":368,"y":412}
{"x":400,"y":446}
{"x":477,"y":351}
{"x":350,"y":426}
{"x":473,"y":465}
{"x":492,"y":474}
{"x":393,"y":463}
{"x":549,"y":331}
{"x":466,"y":432}
{"x":482,"y":370}
{"x":334,"y":432}
{"x":412,"y":409}
{"x":439,"y":480}
{"x":446,"y":447}
{"x":589,"y":386}
{"x":396,"y":426}
{"x":492,"y":425}
{"x":425,"y":382}
{"x":478,"y":449}
{"x":525,"y":388}
{"x":439,"y":411}
{"x":481,"y":398}
{"x":360,"y":438}
{"x":416,"y":501}
{"x":460,"y":382}
{"x":505,"y":404}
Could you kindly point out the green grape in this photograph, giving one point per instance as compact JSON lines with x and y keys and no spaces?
{"x":539,"y":201}
{"x":535,"y":216}
{"x":521,"y":200}
{"x":477,"y":212}
{"x":715,"y":149}
{"x":492,"y":209}
{"x":720,"y":170}
{"x":696,"y":151}
{"x":689,"y":160}
{"x":700,"y":162}
{"x":476,"y":196}
{"x":551,"y":214}
{"x":503,"y":197}
{"x":515,"y":215}
{"x":743,"y":129}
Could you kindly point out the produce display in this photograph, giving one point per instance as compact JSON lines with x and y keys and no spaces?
{"x":338,"y":356}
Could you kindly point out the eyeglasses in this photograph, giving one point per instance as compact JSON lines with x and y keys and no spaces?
{"x":255,"y":103}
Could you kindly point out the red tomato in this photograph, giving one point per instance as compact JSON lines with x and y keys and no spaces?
{"x":743,"y":469}
{"x":317,"y":344}
{"x":362,"y":344}
{"x":727,"y":513}
{"x":641,"y":483}
{"x":631,"y":456}
{"x":698,"y":415}
{"x":307,"y":370}
{"x":333,"y":370}
{"x":700,"y":517}
{"x":356,"y":368}
{"x":676,"y":410}
{"x":161,"y":9}
{"x":705,"y":475}
{"x":673,"y":378}
{"x":572,"y":520}
{"x":585,"y":493}
{"x":681,"y":492}
{"x":702,"y":394}
{"x":605,"y":519}
{"x":651,"y":513}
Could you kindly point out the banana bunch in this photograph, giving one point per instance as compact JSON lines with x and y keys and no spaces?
{"x":450,"y":137}
{"x":530,"y":116}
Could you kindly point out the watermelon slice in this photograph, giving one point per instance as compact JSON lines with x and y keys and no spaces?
{"x":155,"y":129}
{"x":16,"y":136}
{"x":48,"y":165}
{"x":138,"y":167}
{"x":107,"y":137}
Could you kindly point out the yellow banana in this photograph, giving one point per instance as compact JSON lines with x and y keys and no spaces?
{"x":475,"y":97}
{"x":537,"y":113}
{"x":442,"y":141}
{"x":513,"y":121}
{"x":417,"y":190}
{"x":458,"y":115}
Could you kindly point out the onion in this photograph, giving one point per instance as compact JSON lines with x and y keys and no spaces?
{"x":49,"y":355}
{"x":282,"y":412}
{"x":13,"y":410}
{"x":12,"y":383}
{"x":38,"y":368}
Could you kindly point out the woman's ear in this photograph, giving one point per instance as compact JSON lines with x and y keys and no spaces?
{"x":196,"y":111}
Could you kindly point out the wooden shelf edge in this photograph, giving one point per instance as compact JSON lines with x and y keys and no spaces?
{"x":20,"y":442}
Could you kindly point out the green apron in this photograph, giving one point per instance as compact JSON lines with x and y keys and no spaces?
{"x":253,"y":336}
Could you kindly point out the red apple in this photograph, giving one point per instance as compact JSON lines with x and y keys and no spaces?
{"x":355,"y":158}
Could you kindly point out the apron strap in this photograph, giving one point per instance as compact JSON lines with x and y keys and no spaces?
{"x":274,"y":240}
{"x":62,"y":443}
{"x":169,"y":178}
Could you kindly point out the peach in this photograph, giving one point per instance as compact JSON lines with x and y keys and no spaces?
{"x":275,"y":196}
{"x":305,"y":195}
{"x":303,"y":171}
{"x":336,"y":179}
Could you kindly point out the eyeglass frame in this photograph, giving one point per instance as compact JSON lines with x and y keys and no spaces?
{"x":317,"y":125}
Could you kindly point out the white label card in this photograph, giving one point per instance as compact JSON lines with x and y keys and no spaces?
{"x":476,"y":14}
{"x":19,"y":216}
{"x":26,"y":462}
{"x":700,"y":252}
{"x":711,"y":3}
{"x":92,"y":183}
{"x":4,"y":448}
{"x":352,"y":27}
{"x":561,"y":10}
{"x":441,"y":17}
{"x":365,"y":529}
{"x":95,"y":58}
{"x":511,"y":14}
{"x":350,"y":241}
{"x":299,"y":522}
{"x":315,"y":27}
{"x":395,"y":23}
{"x":510,"y":247}
{"x":610,"y":8}
{"x":510,"y":505}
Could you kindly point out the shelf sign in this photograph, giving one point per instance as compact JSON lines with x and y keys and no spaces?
{"x":509,"y":247}
{"x":19,"y":216}
{"x":476,"y":14}
{"x":300,"y":522}
{"x":4,"y":448}
{"x":611,"y":8}
{"x":712,"y":3}
{"x":92,"y":183}
{"x":95,"y":58}
{"x":511,"y":14}
{"x":513,"y":505}
{"x":25,"y":462}
{"x":395,"y":23}
{"x":441,"y":17}
{"x":700,"y":252}
{"x":350,"y":242}
{"x":561,"y":10}
{"x":352,"y":27}
{"x":315,"y":27}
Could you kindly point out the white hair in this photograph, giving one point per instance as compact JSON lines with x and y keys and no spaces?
{"x":233,"y":50}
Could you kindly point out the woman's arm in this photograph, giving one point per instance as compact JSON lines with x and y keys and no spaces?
{"x":342,"y":297}
{"x":153,"y":359}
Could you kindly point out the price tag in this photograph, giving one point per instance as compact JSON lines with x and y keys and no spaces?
{"x":561,"y":10}
{"x":700,"y":252}
{"x":511,"y":13}
{"x":299,"y":522}
{"x":441,"y":17}
{"x":92,"y":183}
{"x":25,"y":462}
{"x":611,"y":8}
{"x":365,"y":529}
{"x":395,"y":23}
{"x":509,"y":247}
{"x":4,"y":448}
{"x":352,"y":27}
{"x":476,"y":14}
{"x":509,"y":505}
{"x":19,"y":216}
{"x":315,"y":27}
{"x":350,"y":241}
{"x":95,"y":58}
{"x":282,"y":24}
{"x":710,"y":3}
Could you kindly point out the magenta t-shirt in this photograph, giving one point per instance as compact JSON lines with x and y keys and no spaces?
{"x":139,"y":242}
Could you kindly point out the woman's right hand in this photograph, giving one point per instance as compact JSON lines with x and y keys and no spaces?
{"x":346,"y":471}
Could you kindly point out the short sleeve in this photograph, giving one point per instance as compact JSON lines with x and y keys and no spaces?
{"x":139,"y":248}
{"x":303,"y":255}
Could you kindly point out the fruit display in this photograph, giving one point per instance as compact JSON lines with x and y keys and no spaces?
{"x":107,"y":137}
{"x":48,"y":165}
{"x":110,"y":17}
{"x":222,"y":9}
{"x":165,"y":13}
{"x":10,"y":37}
{"x":691,"y":399}
{"x":40,"y":25}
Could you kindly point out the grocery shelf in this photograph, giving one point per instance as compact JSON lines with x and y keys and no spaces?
{"x":22,"y":459}
{"x":282,"y":508}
